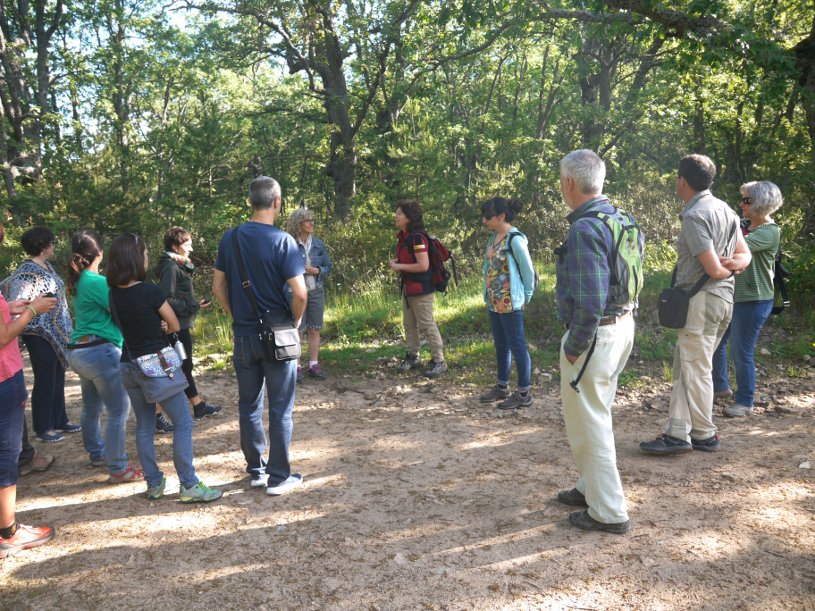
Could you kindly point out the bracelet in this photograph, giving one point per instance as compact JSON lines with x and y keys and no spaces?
{"x":33,"y":310}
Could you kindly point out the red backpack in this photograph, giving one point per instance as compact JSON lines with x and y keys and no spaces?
{"x":439,"y":255}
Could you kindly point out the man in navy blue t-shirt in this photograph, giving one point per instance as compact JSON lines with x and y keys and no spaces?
{"x":272,"y":260}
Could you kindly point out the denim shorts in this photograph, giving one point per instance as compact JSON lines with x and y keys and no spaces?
{"x":315,"y":308}
{"x":13,"y":395}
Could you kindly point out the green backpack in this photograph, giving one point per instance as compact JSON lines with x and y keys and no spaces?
{"x":626,"y":279}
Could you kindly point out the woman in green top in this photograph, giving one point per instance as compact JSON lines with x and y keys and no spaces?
{"x":753,"y":300}
{"x":94,"y":353}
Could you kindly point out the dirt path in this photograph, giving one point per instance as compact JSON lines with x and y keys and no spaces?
{"x":424,"y":499}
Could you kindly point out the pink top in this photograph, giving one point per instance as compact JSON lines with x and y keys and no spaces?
{"x":10,"y":359}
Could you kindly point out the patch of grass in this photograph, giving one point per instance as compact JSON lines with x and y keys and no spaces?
{"x":363,"y":326}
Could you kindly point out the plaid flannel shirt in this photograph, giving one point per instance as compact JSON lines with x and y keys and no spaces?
{"x":583,"y":276}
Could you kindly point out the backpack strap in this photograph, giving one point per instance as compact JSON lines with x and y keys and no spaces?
{"x":426,"y":276}
{"x":508,"y":249}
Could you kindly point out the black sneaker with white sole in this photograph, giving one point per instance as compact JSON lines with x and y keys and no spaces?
{"x":204,"y":409}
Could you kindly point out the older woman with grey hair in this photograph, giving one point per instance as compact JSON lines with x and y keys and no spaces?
{"x":753,"y":300}
{"x":300,"y":226}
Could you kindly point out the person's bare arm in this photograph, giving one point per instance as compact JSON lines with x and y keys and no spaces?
{"x":714,"y":269}
{"x":9,"y":332}
{"x":299,"y":297}
{"x":422,"y":264}
{"x":220,"y":289}
{"x":740,"y":260}
{"x":166,"y":312}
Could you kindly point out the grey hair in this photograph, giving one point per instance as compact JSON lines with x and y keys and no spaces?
{"x":766,"y":197}
{"x":586,"y":169}
{"x":263,"y":191}
{"x":297,"y":217}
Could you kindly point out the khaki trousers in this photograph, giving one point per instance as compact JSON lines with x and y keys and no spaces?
{"x":419,"y":317}
{"x":588,"y":419}
{"x":690,"y":413}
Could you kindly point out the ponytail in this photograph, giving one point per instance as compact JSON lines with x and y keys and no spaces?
{"x":85,"y":247}
{"x":499,"y":205}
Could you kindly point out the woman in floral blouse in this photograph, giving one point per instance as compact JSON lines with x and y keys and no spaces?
{"x":508,"y":286}
{"x":46,"y":336}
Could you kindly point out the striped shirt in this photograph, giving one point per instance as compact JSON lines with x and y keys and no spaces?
{"x":756,"y":283}
{"x":583,"y":275}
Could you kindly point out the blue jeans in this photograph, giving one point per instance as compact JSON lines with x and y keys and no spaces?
{"x":177,"y":410}
{"x":748,"y":318}
{"x":48,"y":395}
{"x":12,"y":422}
{"x":508,"y":334}
{"x":98,"y":371}
{"x":253,"y":374}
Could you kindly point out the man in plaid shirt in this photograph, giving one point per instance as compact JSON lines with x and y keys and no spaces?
{"x":583,"y":277}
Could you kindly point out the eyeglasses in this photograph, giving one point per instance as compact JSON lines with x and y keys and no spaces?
{"x":746,"y":200}
{"x":488,"y":216}
{"x":309,"y":221}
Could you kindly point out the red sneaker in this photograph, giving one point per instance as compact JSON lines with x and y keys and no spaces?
{"x":26,"y":537}
{"x":131,"y":474}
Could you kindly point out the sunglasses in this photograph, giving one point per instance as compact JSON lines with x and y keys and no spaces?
{"x":309,"y":221}
{"x":746,"y":200}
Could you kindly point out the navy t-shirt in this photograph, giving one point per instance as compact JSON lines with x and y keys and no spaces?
{"x":271,"y":257}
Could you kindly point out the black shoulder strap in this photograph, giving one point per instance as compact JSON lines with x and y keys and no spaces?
{"x":236,"y":248}
{"x":409,"y":240}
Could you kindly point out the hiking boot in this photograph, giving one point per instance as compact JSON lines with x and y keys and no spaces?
{"x":199,"y":493}
{"x":162,"y":424}
{"x":516,"y":400}
{"x":711,"y":444}
{"x":411,"y":361}
{"x":435,"y":369}
{"x":204,"y":409}
{"x":156,"y":492}
{"x":497,"y":393}
{"x":50,"y":437}
{"x":102,"y":462}
{"x":583,"y":520}
{"x":315,"y":372}
{"x":572,"y":497}
{"x":40,"y":462}
{"x":69,"y":428}
{"x":667,"y":445}
{"x":723,"y":394}
{"x":131,"y":474}
{"x":26,"y":537}
{"x":295,"y":480}
{"x":738,"y":411}
{"x":299,"y":374}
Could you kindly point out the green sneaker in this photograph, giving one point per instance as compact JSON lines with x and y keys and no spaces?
{"x":156,"y":492}
{"x":199,"y":492}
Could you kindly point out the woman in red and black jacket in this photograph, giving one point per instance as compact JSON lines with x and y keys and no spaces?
{"x":416,"y":288}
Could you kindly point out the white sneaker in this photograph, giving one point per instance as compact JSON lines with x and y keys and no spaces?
{"x":259,"y":481}
{"x":738,"y":411}
{"x":295,"y":480}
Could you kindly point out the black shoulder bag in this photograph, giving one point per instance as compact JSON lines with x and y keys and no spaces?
{"x":673,"y":302}
{"x":280,"y":343}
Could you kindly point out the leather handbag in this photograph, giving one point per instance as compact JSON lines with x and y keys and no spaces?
{"x":161,"y":376}
{"x":280,"y":343}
